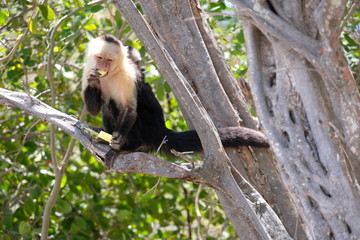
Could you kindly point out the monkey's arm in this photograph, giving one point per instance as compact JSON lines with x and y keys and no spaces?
{"x":92,"y":93}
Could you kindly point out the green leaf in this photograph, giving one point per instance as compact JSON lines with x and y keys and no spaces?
{"x":29,"y":207}
{"x":81,"y":223}
{"x":32,"y":26}
{"x":94,"y":9}
{"x":351,"y":41}
{"x":240,"y":37}
{"x":76,"y":23}
{"x":47,"y":12}
{"x":3,"y":18}
{"x":63,"y":181}
{"x":24,"y":227}
{"x":118,"y":19}
{"x":7,"y":217}
{"x":123,"y":214}
{"x":63,"y":206}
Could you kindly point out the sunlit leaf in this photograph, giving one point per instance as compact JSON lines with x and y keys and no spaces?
{"x":47,"y":12}
{"x":3,"y":17}
{"x":90,"y":27}
{"x":32,"y":25}
{"x":63,"y":181}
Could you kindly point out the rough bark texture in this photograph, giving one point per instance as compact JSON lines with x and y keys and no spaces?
{"x":309,"y":106}
{"x":183,"y":33}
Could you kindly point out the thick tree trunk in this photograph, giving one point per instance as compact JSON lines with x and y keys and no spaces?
{"x":309,"y":106}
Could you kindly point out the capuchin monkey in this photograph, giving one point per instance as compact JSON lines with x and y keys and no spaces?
{"x":113,"y":82}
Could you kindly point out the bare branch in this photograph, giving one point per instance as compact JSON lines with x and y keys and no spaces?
{"x":13,"y":50}
{"x":353,"y":8}
{"x":148,"y":164}
{"x":272,"y":24}
{"x":134,"y":162}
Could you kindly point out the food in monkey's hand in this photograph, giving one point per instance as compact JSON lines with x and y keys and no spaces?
{"x":103,"y":73}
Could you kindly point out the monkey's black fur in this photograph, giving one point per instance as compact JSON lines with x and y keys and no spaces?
{"x":149,"y":128}
{"x":143,"y":128}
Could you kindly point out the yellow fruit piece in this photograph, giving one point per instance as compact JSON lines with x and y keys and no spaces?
{"x":105,"y":136}
{"x":102,"y":72}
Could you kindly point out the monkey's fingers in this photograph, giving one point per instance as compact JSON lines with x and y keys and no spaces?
{"x":93,"y":80}
{"x":117,"y":142}
{"x":94,"y":72}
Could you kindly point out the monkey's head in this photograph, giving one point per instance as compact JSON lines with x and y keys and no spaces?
{"x":105,"y":54}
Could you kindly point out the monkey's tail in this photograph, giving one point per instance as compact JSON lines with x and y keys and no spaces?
{"x":183,"y":141}
{"x":230,"y":137}
{"x":242,"y":136}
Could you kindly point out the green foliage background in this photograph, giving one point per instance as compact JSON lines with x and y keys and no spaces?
{"x":94,"y":204}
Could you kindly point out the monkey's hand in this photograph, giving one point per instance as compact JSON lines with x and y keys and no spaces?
{"x":118,"y":141}
{"x":94,"y":79}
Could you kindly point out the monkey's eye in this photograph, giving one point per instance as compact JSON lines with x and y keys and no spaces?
{"x":98,"y":57}
{"x":109,"y":60}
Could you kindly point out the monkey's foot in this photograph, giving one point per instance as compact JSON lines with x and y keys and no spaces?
{"x":110,"y":157}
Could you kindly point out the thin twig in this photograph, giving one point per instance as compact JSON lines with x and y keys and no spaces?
{"x":353,"y":8}
{"x":14,"y":49}
{"x":161,"y":144}
{"x":43,"y":92}
{"x":153,"y":188}
{"x":198,"y":213}
{"x":25,"y":137}
{"x":182,"y":156}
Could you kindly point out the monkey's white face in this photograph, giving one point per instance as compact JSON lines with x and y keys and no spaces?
{"x":103,"y":64}
{"x":104,"y":56}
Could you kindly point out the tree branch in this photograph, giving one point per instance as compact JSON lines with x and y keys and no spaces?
{"x":134,"y":162}
{"x":13,"y":50}
{"x":272,"y":24}
{"x":143,"y":163}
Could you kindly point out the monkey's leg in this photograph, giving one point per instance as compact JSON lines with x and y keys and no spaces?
{"x":125,"y":124}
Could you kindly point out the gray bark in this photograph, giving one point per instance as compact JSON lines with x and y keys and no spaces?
{"x":309,"y":106}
